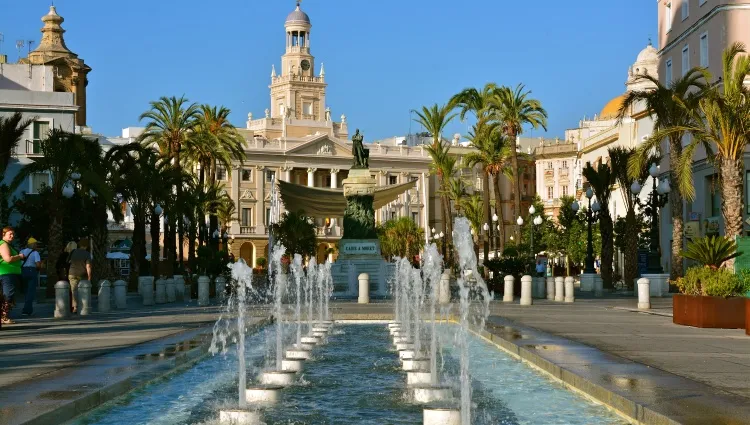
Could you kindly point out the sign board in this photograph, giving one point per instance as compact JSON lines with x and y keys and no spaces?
{"x":642,"y":262}
{"x":693,"y":229}
{"x":360,"y":248}
{"x":711,"y":226}
{"x":694,"y":216}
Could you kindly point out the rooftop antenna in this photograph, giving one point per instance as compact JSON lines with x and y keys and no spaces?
{"x":19,"y":47}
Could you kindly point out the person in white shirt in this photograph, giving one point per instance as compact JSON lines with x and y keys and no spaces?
{"x":30,"y":274}
{"x":540,"y":268}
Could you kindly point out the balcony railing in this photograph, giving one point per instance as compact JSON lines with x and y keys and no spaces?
{"x":247,"y":230}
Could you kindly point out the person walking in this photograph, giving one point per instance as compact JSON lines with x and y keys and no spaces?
{"x":80,"y":268}
{"x":32,"y":263}
{"x":10,"y":274}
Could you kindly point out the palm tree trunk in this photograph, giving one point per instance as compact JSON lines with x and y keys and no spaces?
{"x":487,"y":213}
{"x":500,"y":215}
{"x":676,"y":207}
{"x":191,"y":246}
{"x":99,"y":243}
{"x":731,"y":172}
{"x":516,"y":180}
{"x":137,"y":250}
{"x":631,"y":249}
{"x":606,"y":230}
{"x":171,"y":243}
{"x":155,"y":251}
{"x":55,"y":247}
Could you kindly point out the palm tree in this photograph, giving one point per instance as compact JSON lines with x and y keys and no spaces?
{"x":720,"y":124}
{"x":171,"y":120}
{"x":401,"y":237}
{"x":601,"y":180}
{"x":479,"y":103}
{"x":473,"y":211}
{"x":513,"y":109}
{"x":670,"y":106}
{"x":434,"y":119}
{"x":63,"y":153}
{"x":12,"y":129}
{"x":620,"y":157}
{"x":456,"y":191}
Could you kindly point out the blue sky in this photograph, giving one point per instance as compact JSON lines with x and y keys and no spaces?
{"x":382,"y":58}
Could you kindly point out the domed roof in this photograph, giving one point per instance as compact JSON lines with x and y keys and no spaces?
{"x":648,"y":54}
{"x":612,"y":108}
{"x":298,"y":16}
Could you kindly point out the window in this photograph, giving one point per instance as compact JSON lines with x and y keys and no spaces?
{"x":668,"y":76}
{"x":40,"y":130}
{"x":327,"y":181}
{"x":565,"y":164}
{"x":270,"y":176}
{"x":392,"y":179}
{"x":550,"y":192}
{"x":668,"y":17}
{"x":549,"y":165}
{"x":247,"y":217}
{"x":714,"y":197}
{"x":268,"y":216}
{"x":685,"y":9}
{"x":565,"y":191}
{"x":246,"y":173}
{"x":415,"y":217}
{"x":307,"y":108}
{"x":478,"y":185}
{"x":704,"y":49}
{"x":221,"y":173}
{"x":685,"y":59}
{"x":38,"y":181}
{"x":393,"y":215}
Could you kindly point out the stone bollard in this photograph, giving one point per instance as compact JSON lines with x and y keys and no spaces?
{"x":203,"y":285}
{"x":188,"y":294}
{"x":179,"y":287}
{"x":508,"y":293}
{"x":526,"y":290}
{"x":364,"y":288}
{"x":221,"y":286}
{"x":644,"y":294}
{"x":62,"y":300}
{"x":121,"y":294}
{"x":569,"y":289}
{"x":538,"y":288}
{"x":551,"y":288}
{"x":146,"y":289}
{"x":598,"y":286}
{"x":161,"y":291}
{"x":170,"y":289}
{"x":84,"y":294}
{"x":444,"y":290}
{"x":559,"y":288}
{"x":105,"y":296}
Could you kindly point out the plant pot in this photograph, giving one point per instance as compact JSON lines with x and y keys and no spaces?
{"x":709,"y":312}
{"x":747,"y":316}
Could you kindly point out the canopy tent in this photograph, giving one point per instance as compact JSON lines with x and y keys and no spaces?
{"x":117,"y":256}
{"x":323,"y":202}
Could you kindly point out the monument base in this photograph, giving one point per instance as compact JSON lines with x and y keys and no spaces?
{"x":357,"y":256}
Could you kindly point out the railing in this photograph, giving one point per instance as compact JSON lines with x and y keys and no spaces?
{"x":302,"y":78}
{"x":247,"y":230}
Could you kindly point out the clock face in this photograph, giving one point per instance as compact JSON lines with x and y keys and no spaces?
{"x":305,"y":64}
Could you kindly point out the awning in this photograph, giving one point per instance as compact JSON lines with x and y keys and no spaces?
{"x":324,"y":202}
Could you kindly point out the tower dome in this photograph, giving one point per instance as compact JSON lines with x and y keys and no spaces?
{"x":298,"y":16}
{"x":648,"y":54}
{"x":646,"y":64}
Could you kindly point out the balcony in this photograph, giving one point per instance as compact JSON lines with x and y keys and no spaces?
{"x":247,"y":230}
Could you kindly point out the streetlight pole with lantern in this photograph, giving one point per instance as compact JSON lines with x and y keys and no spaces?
{"x":659,"y":196}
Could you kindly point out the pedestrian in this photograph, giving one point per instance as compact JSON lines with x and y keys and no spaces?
{"x":32,"y":263}
{"x":80,"y":268}
{"x":540,"y":268}
{"x":10,"y":274}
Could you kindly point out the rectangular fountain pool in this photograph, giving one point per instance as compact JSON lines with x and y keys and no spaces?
{"x":355,"y":378}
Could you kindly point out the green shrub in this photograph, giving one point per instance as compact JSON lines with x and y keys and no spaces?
{"x":500,"y":267}
{"x":713,"y":282}
{"x":261,"y":262}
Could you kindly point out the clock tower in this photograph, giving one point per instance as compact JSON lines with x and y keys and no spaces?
{"x":297,"y":92}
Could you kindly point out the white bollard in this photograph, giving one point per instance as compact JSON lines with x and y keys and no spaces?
{"x":146,"y":289}
{"x":508,"y":293}
{"x":179,"y":287}
{"x":84,"y":294}
{"x":161,"y":291}
{"x":62,"y":300}
{"x":171,"y":292}
{"x":121,"y":294}
{"x":444,"y":290}
{"x":559,"y":288}
{"x":364,"y":288}
{"x":551,"y":288}
{"x":221,"y":286}
{"x":644,"y":295}
{"x":203,"y":284}
{"x":526,"y":290}
{"x":569,"y":289}
{"x":104,"y":298}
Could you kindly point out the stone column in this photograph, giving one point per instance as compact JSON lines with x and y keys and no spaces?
{"x":104,"y":297}
{"x":569,"y":289}
{"x":526,"y":290}
{"x":121,"y":295}
{"x":508,"y":294}
{"x":551,"y":288}
{"x":539,"y":289}
{"x":84,"y":294}
{"x":171,"y":293}
{"x":444,"y":291}
{"x":559,"y":289}
{"x":364,"y":288}
{"x":311,"y":176}
{"x":62,"y":300}
{"x":644,"y":293}
{"x":161,"y":291}
{"x":334,"y":185}
{"x":260,"y":197}
{"x":179,"y":287}
{"x":203,"y":283}
{"x":146,"y":289}
{"x":287,"y":176}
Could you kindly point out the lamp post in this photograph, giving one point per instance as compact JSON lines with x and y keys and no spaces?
{"x":497,"y":234}
{"x":590,"y":218}
{"x":486,"y":228}
{"x":659,"y":196}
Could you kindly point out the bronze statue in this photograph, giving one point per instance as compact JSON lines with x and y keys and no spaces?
{"x":361,"y":155}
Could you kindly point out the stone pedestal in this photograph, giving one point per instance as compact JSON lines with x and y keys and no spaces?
{"x":171,"y":292}
{"x":598,"y":286}
{"x":62,"y":300}
{"x":221,"y":286}
{"x":121,"y":295}
{"x":508,"y":293}
{"x":592,"y":282}
{"x":203,"y":290}
{"x":657,"y":283}
{"x":84,"y":294}
{"x":539,"y":287}
{"x":644,"y":299}
{"x":551,"y":288}
{"x":559,"y":289}
{"x":364,"y":288}
{"x":104,"y":297}
{"x":526,"y":290}
{"x":179,"y":287}
{"x":146,"y":289}
{"x":161,"y":291}
{"x":569,"y":289}
{"x":444,"y":290}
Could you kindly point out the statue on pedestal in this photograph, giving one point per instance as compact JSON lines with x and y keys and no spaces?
{"x":361,"y":155}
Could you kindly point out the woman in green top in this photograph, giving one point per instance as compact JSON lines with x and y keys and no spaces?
{"x":10,"y":274}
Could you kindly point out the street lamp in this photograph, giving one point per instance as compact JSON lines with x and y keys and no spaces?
{"x":590,"y":218}
{"x":659,"y":196}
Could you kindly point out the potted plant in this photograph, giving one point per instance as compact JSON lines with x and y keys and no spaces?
{"x":711,"y":296}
